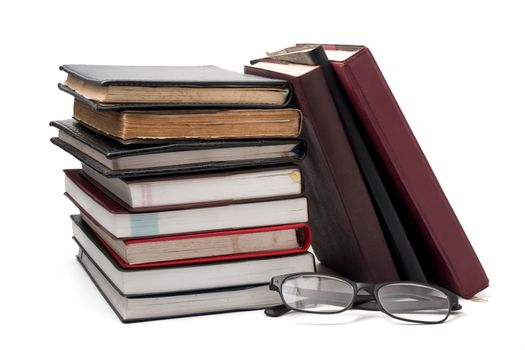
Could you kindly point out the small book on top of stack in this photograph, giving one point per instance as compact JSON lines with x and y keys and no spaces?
{"x":189,"y":197}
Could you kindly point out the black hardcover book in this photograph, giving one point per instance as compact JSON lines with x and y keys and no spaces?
{"x":114,"y":159}
{"x":148,"y":308}
{"x":106,"y":88}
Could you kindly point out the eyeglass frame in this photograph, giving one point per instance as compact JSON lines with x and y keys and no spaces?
{"x":364,"y":303}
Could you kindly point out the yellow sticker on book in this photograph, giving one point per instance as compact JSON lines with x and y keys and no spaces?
{"x":296,"y":176}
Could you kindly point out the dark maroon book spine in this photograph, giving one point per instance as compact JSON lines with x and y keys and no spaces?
{"x":440,"y":241}
{"x":347,"y":235}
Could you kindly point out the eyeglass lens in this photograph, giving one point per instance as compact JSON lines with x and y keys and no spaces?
{"x":319,"y":294}
{"x":414,"y":302}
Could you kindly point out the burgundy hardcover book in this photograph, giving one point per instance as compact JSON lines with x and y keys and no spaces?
{"x":348,"y":236}
{"x":121,"y":223}
{"x":444,"y":249}
{"x":204,"y":247}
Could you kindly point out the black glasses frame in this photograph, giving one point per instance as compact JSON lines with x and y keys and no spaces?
{"x":370,"y":301}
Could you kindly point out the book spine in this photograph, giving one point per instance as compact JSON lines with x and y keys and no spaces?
{"x":394,"y":231}
{"x":434,"y":228}
{"x":348,"y":236}
{"x":303,"y":234}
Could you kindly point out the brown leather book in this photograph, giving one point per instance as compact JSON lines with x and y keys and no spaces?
{"x":347,"y":235}
{"x":440,"y":241}
{"x":191,"y":123}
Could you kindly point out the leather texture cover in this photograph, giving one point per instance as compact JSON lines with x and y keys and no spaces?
{"x":443,"y":247}
{"x":348,"y":236}
{"x":394,"y":231}
{"x":165,"y":76}
{"x":112,"y":149}
{"x":104,"y":75}
{"x":303,"y":235}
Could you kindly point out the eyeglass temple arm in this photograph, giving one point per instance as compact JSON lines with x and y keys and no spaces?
{"x":454,"y":301}
{"x":276,"y":311}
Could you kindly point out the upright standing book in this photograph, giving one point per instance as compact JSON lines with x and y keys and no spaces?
{"x":347,"y":233}
{"x":445,"y":250}
{"x":393,"y":229}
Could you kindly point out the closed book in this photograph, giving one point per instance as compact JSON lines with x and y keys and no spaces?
{"x":443,"y":247}
{"x":147,"y":308}
{"x":186,"y":278}
{"x":394,"y":231}
{"x":203,"y":247}
{"x":114,"y":159}
{"x":121,"y":223}
{"x":348,"y":236}
{"x":105,"y":87}
{"x":185,"y":191}
{"x":192,"y":123}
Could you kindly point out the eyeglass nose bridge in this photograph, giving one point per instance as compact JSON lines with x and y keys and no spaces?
{"x":368,"y":287}
{"x":365,"y":301}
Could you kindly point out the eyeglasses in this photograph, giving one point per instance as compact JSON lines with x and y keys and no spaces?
{"x":327,"y":294}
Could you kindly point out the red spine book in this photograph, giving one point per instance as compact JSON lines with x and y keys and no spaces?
{"x":444,"y":249}
{"x":303,"y":233}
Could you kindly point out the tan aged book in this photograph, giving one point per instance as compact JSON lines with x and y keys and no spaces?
{"x":192,"y":124}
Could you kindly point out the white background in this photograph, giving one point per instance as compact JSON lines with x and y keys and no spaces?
{"x":456,"y":68}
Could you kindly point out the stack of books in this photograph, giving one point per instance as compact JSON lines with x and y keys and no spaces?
{"x":189,"y":195}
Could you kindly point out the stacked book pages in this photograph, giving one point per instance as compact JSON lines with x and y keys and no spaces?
{"x":190,"y":198}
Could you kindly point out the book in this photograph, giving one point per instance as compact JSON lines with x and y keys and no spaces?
{"x":146,"y":87}
{"x":444,"y":249}
{"x":205,"y":246}
{"x":403,"y":253}
{"x":347,"y":233}
{"x":171,"y":192}
{"x":146,"y":308}
{"x":121,"y":223}
{"x":192,"y":123}
{"x":113,"y":159}
{"x":186,"y":278}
